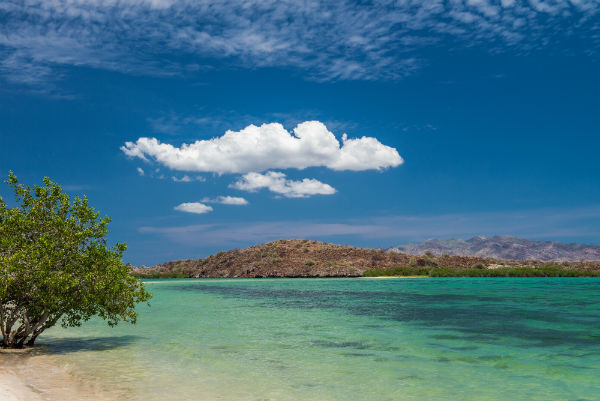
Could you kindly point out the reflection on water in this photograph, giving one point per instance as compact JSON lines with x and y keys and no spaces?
{"x":338,"y":339}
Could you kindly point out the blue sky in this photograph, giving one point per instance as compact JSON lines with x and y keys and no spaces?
{"x":461,"y":118}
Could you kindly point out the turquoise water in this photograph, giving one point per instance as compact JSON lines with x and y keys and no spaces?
{"x":348,"y":339}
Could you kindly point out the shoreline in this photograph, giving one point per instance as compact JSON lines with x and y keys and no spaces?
{"x":30,"y":375}
{"x":12,"y":388}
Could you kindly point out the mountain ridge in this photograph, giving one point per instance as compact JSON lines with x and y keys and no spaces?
{"x":504,"y":247}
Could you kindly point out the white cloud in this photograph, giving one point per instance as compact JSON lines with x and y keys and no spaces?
{"x":276,"y":182}
{"x":227,"y":200}
{"x":140,"y":171}
{"x":194,"y":207}
{"x":187,"y":178}
{"x":326,"y":40}
{"x":269,"y":146}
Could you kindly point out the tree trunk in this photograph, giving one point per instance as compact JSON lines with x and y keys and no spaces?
{"x":27,"y":332}
{"x":31,"y":341}
{"x":48,"y":323}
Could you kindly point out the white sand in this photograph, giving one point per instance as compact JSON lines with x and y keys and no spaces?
{"x":13,"y":389}
{"x":32,"y":376}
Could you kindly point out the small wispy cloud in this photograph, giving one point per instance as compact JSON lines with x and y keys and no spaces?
{"x":140,"y":171}
{"x":193,"y":207}
{"x":187,"y":178}
{"x":227,"y":200}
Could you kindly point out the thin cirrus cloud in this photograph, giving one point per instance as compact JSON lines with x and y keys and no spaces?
{"x":278,"y":183}
{"x":544,"y":224}
{"x":323,"y":40}
{"x":227,"y":200}
{"x":193,"y":207}
{"x":270,"y":146}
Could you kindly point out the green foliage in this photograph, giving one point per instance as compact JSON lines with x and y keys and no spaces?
{"x":519,"y":271}
{"x":158,"y":274}
{"x":55,"y":265}
{"x":478,"y":265}
{"x":422,"y":262}
{"x":310,"y":262}
{"x":525,"y":271}
{"x":397,"y":271}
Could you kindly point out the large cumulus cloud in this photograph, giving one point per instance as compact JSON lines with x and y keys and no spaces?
{"x":269,"y":146}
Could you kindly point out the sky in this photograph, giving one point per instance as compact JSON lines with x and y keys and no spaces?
{"x":200,"y":126}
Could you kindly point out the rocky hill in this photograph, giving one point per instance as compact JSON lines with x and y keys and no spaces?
{"x":504,"y":248}
{"x":305,"y":258}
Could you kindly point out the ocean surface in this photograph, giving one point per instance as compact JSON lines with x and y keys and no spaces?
{"x":346,"y":339}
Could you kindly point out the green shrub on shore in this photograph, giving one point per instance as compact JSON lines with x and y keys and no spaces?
{"x":519,"y":271}
{"x":57,"y":267}
{"x":161,"y":275}
{"x":398,"y":271}
{"x":477,"y":271}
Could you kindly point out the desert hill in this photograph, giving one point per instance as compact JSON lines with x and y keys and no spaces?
{"x":305,"y":258}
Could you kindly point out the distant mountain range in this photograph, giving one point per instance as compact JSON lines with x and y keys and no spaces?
{"x":504,"y":247}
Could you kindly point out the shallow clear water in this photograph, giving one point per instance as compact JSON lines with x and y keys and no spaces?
{"x":348,"y":339}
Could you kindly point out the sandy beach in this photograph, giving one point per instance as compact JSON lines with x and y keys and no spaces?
{"x":13,"y":389}
{"x":27,"y":375}
{"x":12,"y":386}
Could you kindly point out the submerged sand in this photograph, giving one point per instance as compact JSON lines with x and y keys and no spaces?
{"x":30,"y":375}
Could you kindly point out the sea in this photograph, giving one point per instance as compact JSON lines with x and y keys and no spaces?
{"x":344,"y":339}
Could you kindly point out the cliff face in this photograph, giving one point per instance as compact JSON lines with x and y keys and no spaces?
{"x":505,"y":248}
{"x":304,"y":258}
